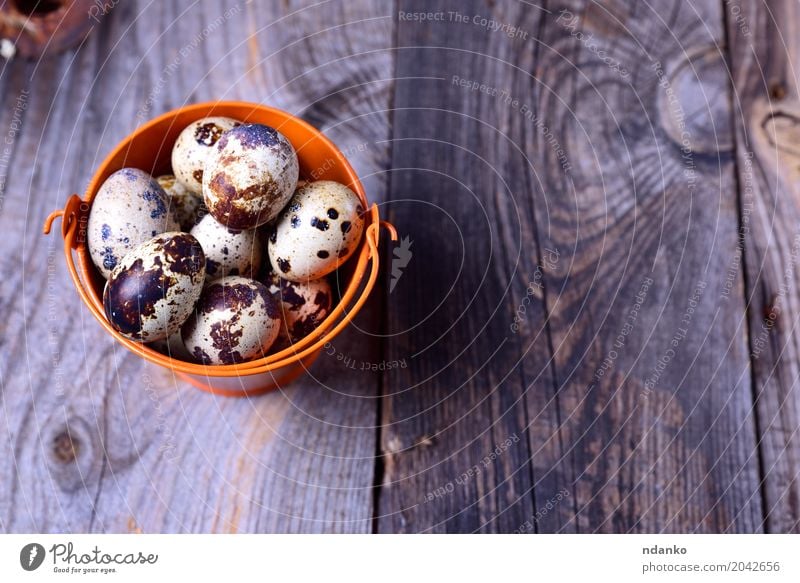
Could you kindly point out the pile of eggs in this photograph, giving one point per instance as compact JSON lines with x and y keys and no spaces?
{"x":226,"y":260}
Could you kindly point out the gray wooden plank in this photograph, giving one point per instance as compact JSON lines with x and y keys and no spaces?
{"x":651,"y":357}
{"x":472,"y":400}
{"x":641,"y":242}
{"x":95,"y":439}
{"x":763,"y":59}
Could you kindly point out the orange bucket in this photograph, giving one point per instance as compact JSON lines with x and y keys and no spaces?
{"x":149,"y":148}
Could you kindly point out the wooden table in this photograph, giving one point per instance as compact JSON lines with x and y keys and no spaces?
{"x":597,"y":327}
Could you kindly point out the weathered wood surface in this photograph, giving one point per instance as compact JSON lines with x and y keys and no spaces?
{"x":764,"y":61}
{"x":652,"y":362}
{"x":95,"y":440}
{"x":581,"y":176}
{"x":463,"y":154}
{"x":602,"y":212}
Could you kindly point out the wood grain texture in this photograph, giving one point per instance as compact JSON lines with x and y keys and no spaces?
{"x":764,"y":59}
{"x":589,"y":328}
{"x":650,"y":428}
{"x":96,"y":440}
{"x":651,"y":360}
{"x":472,"y":422}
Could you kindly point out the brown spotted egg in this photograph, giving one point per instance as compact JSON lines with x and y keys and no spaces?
{"x":193,"y":146}
{"x":185,"y":204}
{"x":318,"y":231}
{"x":303,"y":307}
{"x":235,"y":320}
{"x":228,"y":252}
{"x":153,"y":290}
{"x":130,"y":208}
{"x":250,"y":176}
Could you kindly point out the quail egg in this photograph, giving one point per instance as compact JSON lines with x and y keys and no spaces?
{"x":130,"y":208}
{"x":235,"y":320}
{"x":228,"y":252}
{"x":153,"y":290}
{"x":318,"y":231}
{"x":185,"y":204}
{"x":303,"y":307}
{"x":193,"y":146}
{"x":250,"y":176}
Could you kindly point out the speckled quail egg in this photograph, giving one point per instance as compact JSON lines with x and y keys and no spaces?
{"x":235,"y":320}
{"x":153,"y":290}
{"x":303,"y":307}
{"x":318,"y":231}
{"x":193,"y":146}
{"x":185,"y":204}
{"x":228,"y":252}
{"x":129,"y":208}
{"x":250,"y":176}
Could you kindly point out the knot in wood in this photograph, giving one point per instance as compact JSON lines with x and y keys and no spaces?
{"x":65,"y":448}
{"x":693,"y":102}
